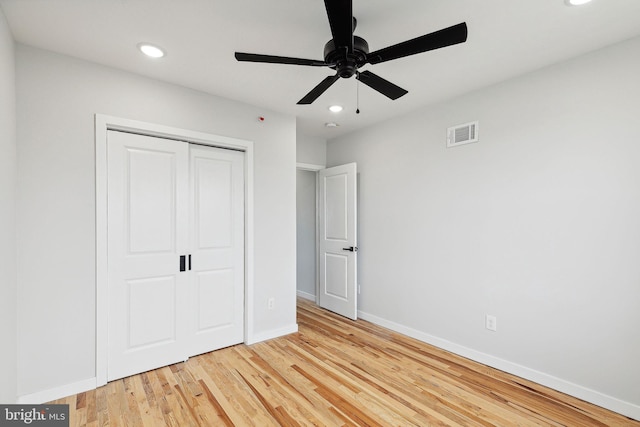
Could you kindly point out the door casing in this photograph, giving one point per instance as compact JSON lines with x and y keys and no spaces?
{"x":103,"y":123}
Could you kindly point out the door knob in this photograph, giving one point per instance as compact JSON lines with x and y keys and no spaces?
{"x":351,"y":249}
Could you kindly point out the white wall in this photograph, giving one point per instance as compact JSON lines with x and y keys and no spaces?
{"x":8,"y":162}
{"x":57,"y":99}
{"x":538,"y":224}
{"x":306,"y":233}
{"x":311,"y":150}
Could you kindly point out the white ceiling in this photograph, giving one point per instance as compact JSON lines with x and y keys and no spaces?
{"x":506,"y":38}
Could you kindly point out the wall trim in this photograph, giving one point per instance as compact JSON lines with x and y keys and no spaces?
{"x":58,"y":392}
{"x":592,"y":396}
{"x":306,"y":295}
{"x":104,"y":123}
{"x":309,"y":167}
{"x":274,"y":333}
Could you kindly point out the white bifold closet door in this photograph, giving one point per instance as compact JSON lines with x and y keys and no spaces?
{"x":175,"y":251}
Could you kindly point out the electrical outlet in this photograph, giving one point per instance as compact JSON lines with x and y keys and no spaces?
{"x":491,"y":322}
{"x":271,"y":303}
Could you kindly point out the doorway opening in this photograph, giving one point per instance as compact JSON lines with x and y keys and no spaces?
{"x":306,"y":232}
{"x":335,"y":269}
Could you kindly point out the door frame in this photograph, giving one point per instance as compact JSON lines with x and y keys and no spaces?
{"x":104,"y":123}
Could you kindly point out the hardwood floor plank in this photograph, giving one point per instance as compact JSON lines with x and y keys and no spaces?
{"x":81,"y":401}
{"x":221,"y":416}
{"x":296,"y":387}
{"x":278,"y":413}
{"x":92,"y":412}
{"x":139,"y":397}
{"x":333,"y":372}
{"x":242,"y":407}
{"x":114,"y":398}
{"x":346,"y":406}
{"x":190,"y":403}
{"x":102,"y":408}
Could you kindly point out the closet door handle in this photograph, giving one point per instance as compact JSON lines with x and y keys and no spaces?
{"x":351,"y":249}
{"x":183,"y":259}
{"x":189,"y":262}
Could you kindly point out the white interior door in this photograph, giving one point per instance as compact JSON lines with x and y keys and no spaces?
{"x":148,"y":217}
{"x":175,"y":251}
{"x":338,"y":240}
{"x":217,"y":248}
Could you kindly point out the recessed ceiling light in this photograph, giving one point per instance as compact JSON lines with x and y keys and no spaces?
{"x":576,"y":2}
{"x":335,"y":108}
{"x":331,"y":125}
{"x":151,"y":50}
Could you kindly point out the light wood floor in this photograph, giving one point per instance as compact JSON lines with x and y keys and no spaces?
{"x":334,"y":372}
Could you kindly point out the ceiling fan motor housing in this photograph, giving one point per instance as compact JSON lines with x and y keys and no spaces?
{"x":345,"y":63}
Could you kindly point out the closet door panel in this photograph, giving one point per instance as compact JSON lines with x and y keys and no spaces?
{"x":148,"y":214}
{"x":217,"y":183}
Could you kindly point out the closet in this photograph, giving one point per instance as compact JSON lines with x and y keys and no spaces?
{"x":175,"y":251}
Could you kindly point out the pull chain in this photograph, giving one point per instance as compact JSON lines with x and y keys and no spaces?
{"x":358,"y":94}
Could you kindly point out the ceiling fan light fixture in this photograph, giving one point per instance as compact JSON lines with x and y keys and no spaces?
{"x":150,"y":50}
{"x":576,"y":2}
{"x":335,"y":108}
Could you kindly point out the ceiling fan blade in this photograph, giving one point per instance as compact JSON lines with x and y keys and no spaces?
{"x":271,"y":59}
{"x":318,"y":90}
{"x":340,"y":13}
{"x":383,"y":86}
{"x":442,"y":38}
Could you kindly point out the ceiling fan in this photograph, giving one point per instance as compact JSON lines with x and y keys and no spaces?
{"x":347,"y":53}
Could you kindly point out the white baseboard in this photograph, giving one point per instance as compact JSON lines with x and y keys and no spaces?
{"x":306,"y":295}
{"x":58,"y":392}
{"x":275,"y":333}
{"x":91,"y":383}
{"x":625,"y":408}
